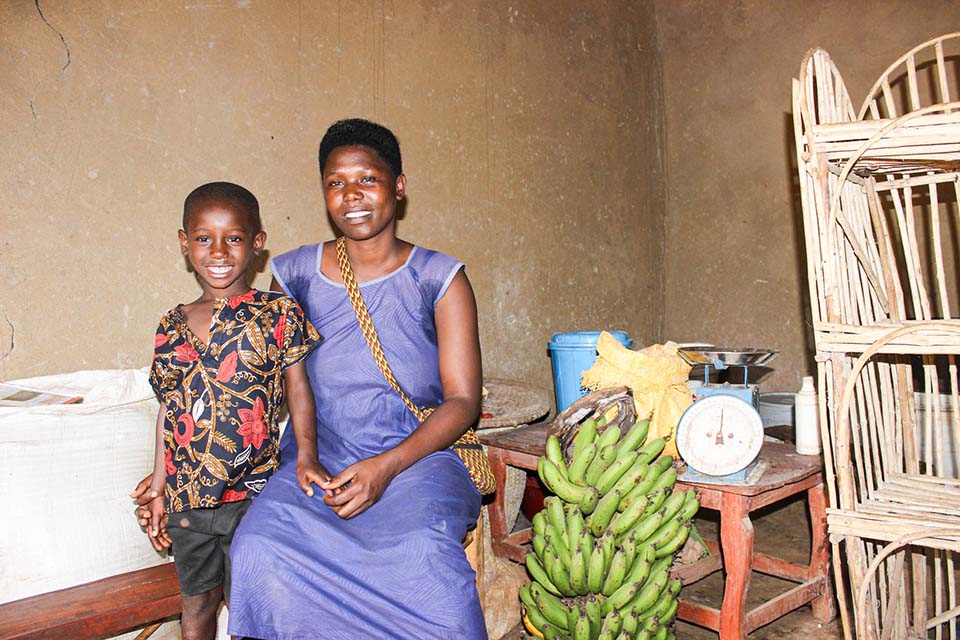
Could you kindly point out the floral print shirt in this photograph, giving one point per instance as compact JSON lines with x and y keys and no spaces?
{"x":223,"y":398}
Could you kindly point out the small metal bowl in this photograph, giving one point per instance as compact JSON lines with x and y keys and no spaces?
{"x":728,"y":356}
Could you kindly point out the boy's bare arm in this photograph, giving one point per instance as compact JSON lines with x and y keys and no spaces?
{"x":303,"y":418}
{"x":159,"y":471}
{"x":159,"y":475}
{"x":147,"y":497}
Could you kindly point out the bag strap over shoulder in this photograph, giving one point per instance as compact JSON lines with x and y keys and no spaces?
{"x":366,"y":326}
{"x":467,"y":447}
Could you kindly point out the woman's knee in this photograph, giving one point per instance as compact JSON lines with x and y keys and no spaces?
{"x":244,"y":544}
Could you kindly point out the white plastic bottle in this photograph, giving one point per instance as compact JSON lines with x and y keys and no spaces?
{"x":805,"y":419}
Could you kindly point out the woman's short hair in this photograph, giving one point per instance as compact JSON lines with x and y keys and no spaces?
{"x":359,"y":132}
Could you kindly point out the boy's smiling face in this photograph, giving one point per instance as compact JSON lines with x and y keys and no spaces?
{"x":220,"y":242}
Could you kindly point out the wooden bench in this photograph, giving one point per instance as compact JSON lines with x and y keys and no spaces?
{"x":98,"y":609}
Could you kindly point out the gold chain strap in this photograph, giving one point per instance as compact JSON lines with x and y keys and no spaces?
{"x":467,"y":447}
{"x":366,"y":326}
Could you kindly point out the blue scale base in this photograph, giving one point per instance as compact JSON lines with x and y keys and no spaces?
{"x":749,"y":393}
{"x":740,"y":477}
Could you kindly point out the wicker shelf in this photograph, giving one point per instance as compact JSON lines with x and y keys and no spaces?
{"x":926,"y":143}
{"x":880,"y":190}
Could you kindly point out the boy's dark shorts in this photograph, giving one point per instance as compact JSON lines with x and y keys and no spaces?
{"x":201,"y":546}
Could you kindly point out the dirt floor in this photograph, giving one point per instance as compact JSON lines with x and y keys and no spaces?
{"x":783,"y":531}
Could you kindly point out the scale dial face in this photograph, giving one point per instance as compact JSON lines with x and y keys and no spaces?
{"x":719,"y":435}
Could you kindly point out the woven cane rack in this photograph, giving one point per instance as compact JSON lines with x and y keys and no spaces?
{"x":467,"y":447}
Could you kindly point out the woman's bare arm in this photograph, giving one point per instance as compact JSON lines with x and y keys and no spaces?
{"x":461,"y":376}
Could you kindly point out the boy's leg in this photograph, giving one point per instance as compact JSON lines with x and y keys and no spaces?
{"x":199,"y":618}
{"x":200,"y":569}
{"x":227,"y":520}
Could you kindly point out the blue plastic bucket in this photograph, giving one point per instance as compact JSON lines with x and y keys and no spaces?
{"x":573,"y":353}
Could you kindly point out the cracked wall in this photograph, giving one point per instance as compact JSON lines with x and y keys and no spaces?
{"x":531,"y":135}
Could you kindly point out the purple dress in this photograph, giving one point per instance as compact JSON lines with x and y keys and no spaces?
{"x":398,"y":569}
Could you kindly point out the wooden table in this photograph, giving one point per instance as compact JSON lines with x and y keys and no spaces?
{"x":785,"y":474}
{"x":518,"y":447}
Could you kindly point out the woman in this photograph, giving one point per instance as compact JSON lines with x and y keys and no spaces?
{"x":379,"y":554}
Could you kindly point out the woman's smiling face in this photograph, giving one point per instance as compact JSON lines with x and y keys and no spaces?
{"x":361,"y":192}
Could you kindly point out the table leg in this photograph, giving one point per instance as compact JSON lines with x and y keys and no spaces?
{"x":736,"y":541}
{"x":823,"y":606}
{"x":497,"y":508}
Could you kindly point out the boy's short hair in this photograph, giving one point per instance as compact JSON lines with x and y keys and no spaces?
{"x":223,"y":193}
{"x":360,"y":132}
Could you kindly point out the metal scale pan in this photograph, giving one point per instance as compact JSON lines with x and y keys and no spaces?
{"x":720,"y":358}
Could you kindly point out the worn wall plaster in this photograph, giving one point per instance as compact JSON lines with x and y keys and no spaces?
{"x":531,"y":134}
{"x":541,"y":144}
{"x":735,"y":263}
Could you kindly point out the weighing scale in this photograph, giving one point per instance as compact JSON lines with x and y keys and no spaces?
{"x":720,"y":435}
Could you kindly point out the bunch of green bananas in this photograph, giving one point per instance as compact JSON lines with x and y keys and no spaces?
{"x":604,"y":543}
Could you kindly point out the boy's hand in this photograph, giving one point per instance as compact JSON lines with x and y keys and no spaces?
{"x":157,"y":529}
{"x":310,"y":472}
{"x":144,"y":495}
{"x":145,"y":498}
{"x":162,"y":540}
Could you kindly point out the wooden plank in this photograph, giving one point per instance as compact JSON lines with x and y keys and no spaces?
{"x":780,"y":493}
{"x":529,"y":439}
{"x":771,"y":566}
{"x":824,"y":607}
{"x":783,"y":467}
{"x":96,"y":609}
{"x":783,"y":604}
{"x":695,"y":571}
{"x":708,"y":499}
{"x":736,"y":540}
{"x":511,"y":552}
{"x":699,"y":614}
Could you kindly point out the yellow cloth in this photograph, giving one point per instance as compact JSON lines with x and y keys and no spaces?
{"x":657,"y":375}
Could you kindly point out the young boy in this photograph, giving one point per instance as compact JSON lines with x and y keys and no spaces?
{"x":222,"y":365}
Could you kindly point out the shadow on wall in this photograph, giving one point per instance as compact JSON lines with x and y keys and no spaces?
{"x":796,"y":218}
{"x":7,"y":340}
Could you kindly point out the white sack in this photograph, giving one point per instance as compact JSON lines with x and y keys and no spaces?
{"x":65,"y":475}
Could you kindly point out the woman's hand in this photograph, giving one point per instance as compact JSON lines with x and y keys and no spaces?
{"x":360,"y":485}
{"x":310,"y":472}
